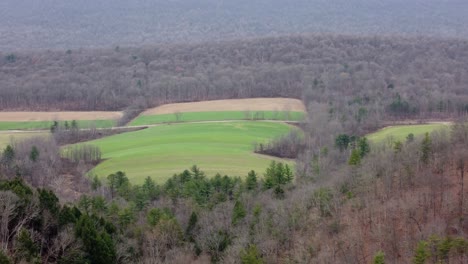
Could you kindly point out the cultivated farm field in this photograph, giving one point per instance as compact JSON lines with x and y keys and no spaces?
{"x":43,"y":120}
{"x":9,"y":137}
{"x":249,"y":104}
{"x":400,"y":132}
{"x":44,"y":125}
{"x":284,"y":109}
{"x":216,"y":116}
{"x":161,"y":151}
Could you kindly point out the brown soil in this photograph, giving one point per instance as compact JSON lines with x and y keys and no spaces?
{"x":251,"y":104}
{"x":59,"y":116}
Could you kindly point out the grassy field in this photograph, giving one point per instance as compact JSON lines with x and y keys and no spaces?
{"x":161,"y":151}
{"x":401,"y":132}
{"x":6,"y":137}
{"x":39,"y":125}
{"x":216,"y":116}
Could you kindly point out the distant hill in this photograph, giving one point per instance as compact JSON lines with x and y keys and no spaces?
{"x":64,"y":24}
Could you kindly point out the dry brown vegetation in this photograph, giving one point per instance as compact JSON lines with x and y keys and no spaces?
{"x":334,"y":212}
{"x":374,"y":78}
{"x":142,"y":22}
{"x":344,"y":205}
{"x":58,"y":116}
{"x":249,"y":104}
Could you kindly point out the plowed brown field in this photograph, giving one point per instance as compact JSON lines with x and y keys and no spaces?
{"x":251,"y":104}
{"x":59,"y":116}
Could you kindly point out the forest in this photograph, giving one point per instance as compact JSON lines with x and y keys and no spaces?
{"x":396,"y":202}
{"x":67,"y":24}
{"x":374,"y":76}
{"x":345,"y":200}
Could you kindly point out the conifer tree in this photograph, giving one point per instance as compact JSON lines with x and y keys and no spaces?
{"x":355,"y":158}
{"x":251,"y":180}
{"x":238,"y":212}
{"x":426,"y":149}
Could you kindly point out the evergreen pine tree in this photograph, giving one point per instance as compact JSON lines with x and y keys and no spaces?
{"x":421,"y":254}
{"x":74,"y":125}
{"x":251,"y":181}
{"x":288,"y":174}
{"x":34,"y":154}
{"x":426,"y":149}
{"x":96,"y":183}
{"x":8,"y":155}
{"x":355,"y":158}
{"x":191,"y":226}
{"x":379,"y":258}
{"x":4,"y":258}
{"x":150,"y":188}
{"x":363,"y":146}
{"x":238,"y":212}
{"x":251,"y":255}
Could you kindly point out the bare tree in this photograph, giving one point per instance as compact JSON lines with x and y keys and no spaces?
{"x":8,"y":211}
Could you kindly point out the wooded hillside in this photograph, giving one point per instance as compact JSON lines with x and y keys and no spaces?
{"x":396,"y":76}
{"x":66,"y":24}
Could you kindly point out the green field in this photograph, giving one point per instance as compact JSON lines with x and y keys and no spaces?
{"x":401,"y":132}
{"x":216,"y":116}
{"x":161,"y":151}
{"x":40,"y":125}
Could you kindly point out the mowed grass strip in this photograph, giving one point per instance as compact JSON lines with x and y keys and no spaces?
{"x":161,"y":151}
{"x":217,"y":116}
{"x":41,"y":125}
{"x":402,"y":131}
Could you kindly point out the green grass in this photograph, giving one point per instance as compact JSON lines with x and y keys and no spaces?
{"x":161,"y":151}
{"x":217,"y":116}
{"x":39,"y":125}
{"x":401,"y":132}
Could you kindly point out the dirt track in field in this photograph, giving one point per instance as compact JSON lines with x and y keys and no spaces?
{"x":251,"y":104}
{"x":59,"y":116}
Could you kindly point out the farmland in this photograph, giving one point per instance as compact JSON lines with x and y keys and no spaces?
{"x":208,"y":131}
{"x":285,"y":109}
{"x":7,"y":137}
{"x":161,"y":151}
{"x":58,"y":116}
{"x":41,"y":125}
{"x":43,"y":120}
{"x":401,"y":132}
{"x":250,"y":104}
{"x":214,"y":116}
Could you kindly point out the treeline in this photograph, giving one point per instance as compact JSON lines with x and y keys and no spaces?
{"x":286,"y":146}
{"x":160,"y":21}
{"x":355,"y":203}
{"x":37,"y":228}
{"x":66,"y":134}
{"x":372,"y":76}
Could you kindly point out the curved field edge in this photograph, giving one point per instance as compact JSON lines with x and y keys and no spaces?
{"x":217,"y":116}
{"x":161,"y":151}
{"x":41,"y":125}
{"x":401,"y":132}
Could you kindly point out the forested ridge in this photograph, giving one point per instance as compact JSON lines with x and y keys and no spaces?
{"x":66,"y":24}
{"x":383,"y":75}
{"x":346,"y":200}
